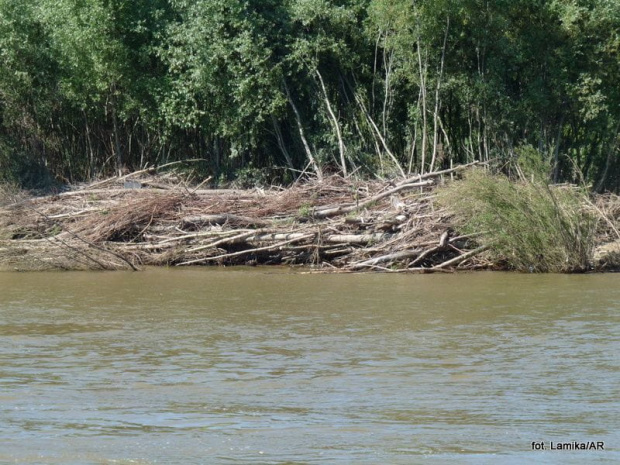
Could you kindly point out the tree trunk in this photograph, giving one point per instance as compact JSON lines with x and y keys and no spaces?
{"x":610,"y":153}
{"x":422,"y":70}
{"x":117,"y":143}
{"x":302,"y":135}
{"x":556,"y":152}
{"x":280,"y":139}
{"x":436,"y":112}
{"x":341,"y":146}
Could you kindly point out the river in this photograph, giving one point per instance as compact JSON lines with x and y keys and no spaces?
{"x":265,"y":366}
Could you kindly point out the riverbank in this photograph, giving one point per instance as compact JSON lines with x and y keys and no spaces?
{"x":339,"y":225}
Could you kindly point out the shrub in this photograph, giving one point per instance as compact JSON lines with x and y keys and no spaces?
{"x":530,"y":226}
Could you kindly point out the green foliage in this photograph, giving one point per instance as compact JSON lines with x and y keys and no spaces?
{"x":223,"y":77}
{"x":90,"y":86}
{"x":305,"y":210}
{"x":532,"y":165}
{"x":530,"y":226}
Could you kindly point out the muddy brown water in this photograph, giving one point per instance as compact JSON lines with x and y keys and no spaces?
{"x":265,"y":366}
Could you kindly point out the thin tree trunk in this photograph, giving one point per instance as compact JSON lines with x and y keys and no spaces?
{"x":424,"y":122}
{"x":610,"y":153}
{"x":345,"y":94}
{"x":556,"y":152}
{"x":374,"y":71}
{"x":387,"y":64}
{"x":471,"y":135}
{"x":91,"y":153}
{"x":485,"y":133}
{"x":479,"y":133}
{"x":117,"y":143}
{"x":302,"y":135}
{"x":379,"y":136}
{"x":422,"y":72}
{"x":437,"y":89}
{"x":341,"y":146}
{"x":218,"y":156}
{"x":280,"y":139}
{"x":413,"y":145}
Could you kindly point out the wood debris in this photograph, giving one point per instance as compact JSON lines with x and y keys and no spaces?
{"x":336,"y":224}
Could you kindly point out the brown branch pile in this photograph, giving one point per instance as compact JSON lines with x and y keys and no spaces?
{"x":607,"y":251}
{"x":336,"y":224}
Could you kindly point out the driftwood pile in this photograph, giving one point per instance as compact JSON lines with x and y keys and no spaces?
{"x":141,"y":219}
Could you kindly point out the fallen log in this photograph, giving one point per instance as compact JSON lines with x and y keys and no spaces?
{"x":392,"y":257}
{"x":220,"y":219}
{"x":227,"y":240}
{"x":460,"y":258}
{"x":343,"y":209}
{"x":434,"y":174}
{"x":355,"y":238}
{"x":245,"y":252}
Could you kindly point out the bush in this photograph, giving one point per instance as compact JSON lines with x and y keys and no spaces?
{"x":530,"y":226}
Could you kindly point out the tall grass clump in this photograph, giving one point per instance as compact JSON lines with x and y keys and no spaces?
{"x":10,"y":193}
{"x":528,"y":224}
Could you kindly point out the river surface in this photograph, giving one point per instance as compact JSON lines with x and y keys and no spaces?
{"x":265,"y":366}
